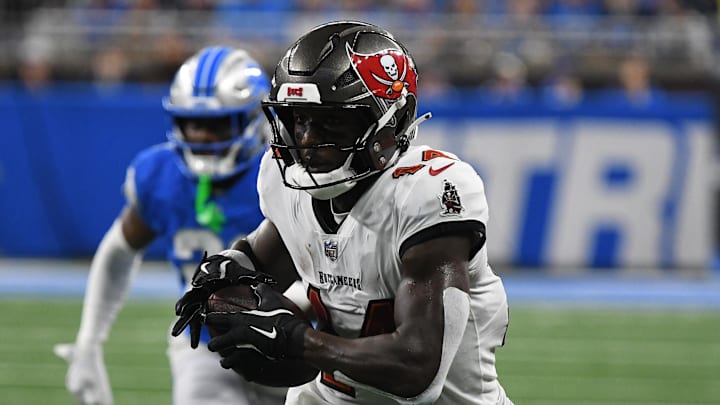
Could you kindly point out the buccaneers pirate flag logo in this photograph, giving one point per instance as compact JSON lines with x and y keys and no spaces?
{"x":385,"y":73}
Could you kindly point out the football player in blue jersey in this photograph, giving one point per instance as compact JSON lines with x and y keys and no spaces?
{"x":196,"y":193}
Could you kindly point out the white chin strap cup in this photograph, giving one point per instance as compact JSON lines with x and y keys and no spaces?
{"x":210,"y":164}
{"x":299,"y":177}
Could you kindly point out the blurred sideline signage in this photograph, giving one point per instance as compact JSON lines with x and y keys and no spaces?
{"x":593,"y":187}
{"x":591,"y":192}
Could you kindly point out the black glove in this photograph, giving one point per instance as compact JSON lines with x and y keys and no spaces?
{"x":272,"y":329}
{"x":257,"y":368}
{"x":212,"y":274}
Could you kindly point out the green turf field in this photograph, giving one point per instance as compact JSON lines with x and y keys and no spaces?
{"x":553,"y":355}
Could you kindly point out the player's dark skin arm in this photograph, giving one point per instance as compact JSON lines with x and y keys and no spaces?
{"x":270,"y":250}
{"x":404,"y":362}
{"x":137,"y":233}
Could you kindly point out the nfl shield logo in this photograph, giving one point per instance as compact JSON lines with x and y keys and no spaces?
{"x":331,"y":249}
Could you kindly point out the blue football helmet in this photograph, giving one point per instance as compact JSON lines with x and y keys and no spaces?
{"x":220,"y":87}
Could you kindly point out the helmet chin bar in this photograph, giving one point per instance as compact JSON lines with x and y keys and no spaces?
{"x":212,"y":165}
{"x":298,"y":177}
{"x":323,"y":186}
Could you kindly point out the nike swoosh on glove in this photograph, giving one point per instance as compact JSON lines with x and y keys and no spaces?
{"x":212,"y":274}
{"x":272,"y":329}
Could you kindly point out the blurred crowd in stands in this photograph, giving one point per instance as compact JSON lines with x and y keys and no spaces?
{"x":514,"y":50}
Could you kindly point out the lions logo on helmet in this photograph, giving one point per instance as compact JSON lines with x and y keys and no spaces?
{"x":219,"y":87}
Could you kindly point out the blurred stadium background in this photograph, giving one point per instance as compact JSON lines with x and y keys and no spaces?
{"x":593,"y":122}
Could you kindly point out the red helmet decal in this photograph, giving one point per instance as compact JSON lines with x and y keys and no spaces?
{"x":385,"y":73}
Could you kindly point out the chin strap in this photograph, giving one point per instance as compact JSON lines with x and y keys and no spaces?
{"x":207,"y":213}
{"x":411,"y":132}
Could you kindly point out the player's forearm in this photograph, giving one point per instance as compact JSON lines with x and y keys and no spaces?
{"x":410,"y":365}
{"x":267,"y":250}
{"x":108,"y":283}
{"x":401,"y":365}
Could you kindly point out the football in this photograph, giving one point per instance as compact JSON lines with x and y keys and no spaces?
{"x":235,"y":298}
{"x":242,"y":297}
{"x":254,"y":366}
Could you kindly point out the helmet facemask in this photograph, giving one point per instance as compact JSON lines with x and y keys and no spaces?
{"x":374,"y":149}
{"x":238,"y":141}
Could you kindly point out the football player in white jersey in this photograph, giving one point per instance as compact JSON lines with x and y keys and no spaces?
{"x":195,"y":193}
{"x":387,"y":238}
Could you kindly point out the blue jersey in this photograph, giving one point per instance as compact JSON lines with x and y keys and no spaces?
{"x":165,"y":199}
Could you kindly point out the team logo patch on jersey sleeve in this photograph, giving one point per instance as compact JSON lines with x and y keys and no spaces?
{"x":450,"y":200}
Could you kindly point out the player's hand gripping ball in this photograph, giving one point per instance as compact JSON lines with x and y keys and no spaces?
{"x":235,"y":298}
{"x":213,"y":274}
{"x":249,"y":362}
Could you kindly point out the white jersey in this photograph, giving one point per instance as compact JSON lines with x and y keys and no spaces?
{"x":352,"y":271}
